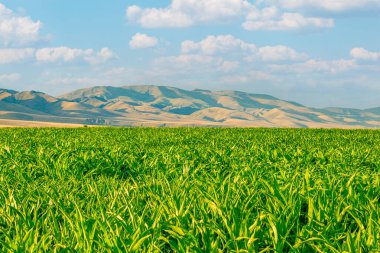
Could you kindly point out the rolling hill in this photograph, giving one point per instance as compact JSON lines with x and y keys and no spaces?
{"x":168,"y":106}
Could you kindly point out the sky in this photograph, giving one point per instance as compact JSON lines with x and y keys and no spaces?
{"x":320,"y":53}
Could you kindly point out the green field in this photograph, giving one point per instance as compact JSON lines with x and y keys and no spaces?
{"x":189,"y":190}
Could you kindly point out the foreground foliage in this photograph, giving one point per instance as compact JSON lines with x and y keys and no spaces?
{"x":189,"y":190}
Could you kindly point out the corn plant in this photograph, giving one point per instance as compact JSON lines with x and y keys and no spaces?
{"x":189,"y":190}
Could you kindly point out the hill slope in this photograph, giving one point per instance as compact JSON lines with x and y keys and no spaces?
{"x":162,"y":105}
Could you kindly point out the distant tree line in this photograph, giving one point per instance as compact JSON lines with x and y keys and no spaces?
{"x":97,"y":121}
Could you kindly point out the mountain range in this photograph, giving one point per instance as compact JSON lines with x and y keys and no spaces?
{"x":150,"y":105}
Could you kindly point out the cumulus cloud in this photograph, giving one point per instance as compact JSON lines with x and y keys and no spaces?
{"x":228,"y":66}
{"x":239,"y":61}
{"x":16,"y":29}
{"x":66,"y":54}
{"x":195,"y":63}
{"x":12,"y":55}
{"x":275,"y":15}
{"x":271,"y":18}
{"x":61,"y":54}
{"x":55,"y":54}
{"x":312,"y":66}
{"x":210,"y":10}
{"x":184,"y":13}
{"x":155,"y":18}
{"x":140,"y":40}
{"x":363,"y":54}
{"x":225,"y":54}
{"x":217,"y":44}
{"x":280,"y":53}
{"x":9,"y":77}
{"x":229,"y":47}
{"x":329,"y":5}
{"x":105,"y":54}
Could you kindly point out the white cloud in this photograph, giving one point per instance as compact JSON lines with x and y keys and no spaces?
{"x":228,"y":46}
{"x":184,"y":13}
{"x":154,"y":18}
{"x":9,"y":77}
{"x":210,"y":10}
{"x":363,"y":54}
{"x":271,"y":18}
{"x":55,"y":54}
{"x":232,"y":60}
{"x":133,"y":12}
{"x":61,"y":54}
{"x":194,"y":63}
{"x":261,"y":15}
{"x":330,"y":5}
{"x":142,"y":41}
{"x":217,"y":44}
{"x":105,"y":54}
{"x":225,"y":54}
{"x":275,"y":15}
{"x":12,"y":55}
{"x":67,"y":54}
{"x":280,"y":53}
{"x":228,"y":66}
{"x":17,"y":30}
{"x":312,"y":66}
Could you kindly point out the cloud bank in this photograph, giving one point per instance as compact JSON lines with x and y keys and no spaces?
{"x":140,"y":40}
{"x":279,"y":15}
{"x":16,"y":29}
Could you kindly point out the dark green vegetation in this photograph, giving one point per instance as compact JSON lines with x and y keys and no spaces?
{"x":189,"y":190}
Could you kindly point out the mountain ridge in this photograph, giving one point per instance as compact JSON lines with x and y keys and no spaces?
{"x":152,"y":105}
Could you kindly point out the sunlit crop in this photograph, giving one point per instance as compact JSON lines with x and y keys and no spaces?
{"x":189,"y":190}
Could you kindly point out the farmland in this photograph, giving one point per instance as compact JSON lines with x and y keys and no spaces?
{"x":189,"y":190}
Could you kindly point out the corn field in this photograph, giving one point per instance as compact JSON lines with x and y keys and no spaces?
{"x":189,"y":190}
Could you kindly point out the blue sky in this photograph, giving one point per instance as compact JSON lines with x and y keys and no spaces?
{"x":317,"y":52}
